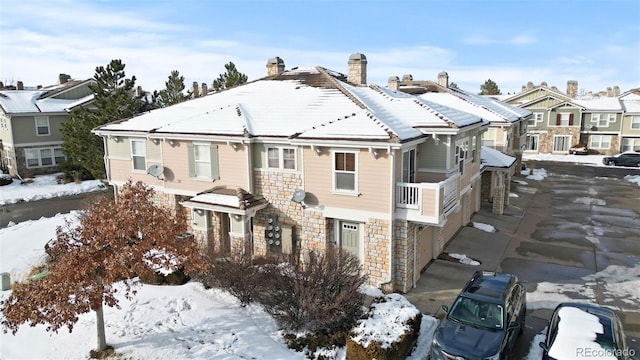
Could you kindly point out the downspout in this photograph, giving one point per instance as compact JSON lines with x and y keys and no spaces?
{"x":415,"y":257}
{"x":392,"y":208}
{"x":249,"y":150}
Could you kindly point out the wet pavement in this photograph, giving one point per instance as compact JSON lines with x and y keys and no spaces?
{"x":577,"y":221}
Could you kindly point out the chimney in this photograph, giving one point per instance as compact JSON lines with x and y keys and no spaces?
{"x":139,"y":91}
{"x":555,"y":88}
{"x":616,"y":91}
{"x":203,"y":89}
{"x":544,"y":83}
{"x":529,"y":85}
{"x":63,"y":78}
{"x":275,"y":66}
{"x":609,"y":91}
{"x":443,"y":79}
{"x":572,"y":88}
{"x":357,"y":69}
{"x":407,"y":77}
{"x":524,"y":88}
{"x":194,"y":90}
{"x":392,"y":83}
{"x":20,"y":85}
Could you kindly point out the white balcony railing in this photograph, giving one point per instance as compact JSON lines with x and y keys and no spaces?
{"x":408,"y":195}
{"x":429,"y":201}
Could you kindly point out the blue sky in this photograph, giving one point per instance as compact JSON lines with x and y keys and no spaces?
{"x":595,"y":42}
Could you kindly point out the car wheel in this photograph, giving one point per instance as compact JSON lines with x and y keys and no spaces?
{"x":611,"y":163}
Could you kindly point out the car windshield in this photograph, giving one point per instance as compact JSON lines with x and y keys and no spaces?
{"x":477,"y":313}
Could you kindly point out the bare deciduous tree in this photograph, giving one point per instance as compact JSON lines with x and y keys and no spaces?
{"x":114,"y":244}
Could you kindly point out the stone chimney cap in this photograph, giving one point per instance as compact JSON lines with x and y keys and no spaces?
{"x":357,"y":57}
{"x":443,"y":73}
{"x":394,"y":78}
{"x":275,"y":60}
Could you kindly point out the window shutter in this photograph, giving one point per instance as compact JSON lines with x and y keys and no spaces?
{"x":558,"y":119}
{"x":570,"y":119}
{"x":215,"y":168}
{"x":192,"y":160}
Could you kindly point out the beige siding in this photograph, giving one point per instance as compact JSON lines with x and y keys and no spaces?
{"x":424,"y":248}
{"x":453,"y":224}
{"x":120,"y":149}
{"x":429,"y":198}
{"x":373,"y":181}
{"x":431,"y":155}
{"x":232,"y":165}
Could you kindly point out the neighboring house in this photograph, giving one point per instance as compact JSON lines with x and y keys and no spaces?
{"x":306,"y":159}
{"x":30,"y":122}
{"x":506,"y":132}
{"x":630,"y":133}
{"x":561,"y":121}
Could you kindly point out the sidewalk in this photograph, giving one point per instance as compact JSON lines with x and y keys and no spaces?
{"x":442,"y":281}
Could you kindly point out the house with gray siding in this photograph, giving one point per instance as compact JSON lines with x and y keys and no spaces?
{"x":30,"y":123}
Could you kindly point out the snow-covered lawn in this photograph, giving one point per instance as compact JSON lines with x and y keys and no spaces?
{"x":44,"y":187}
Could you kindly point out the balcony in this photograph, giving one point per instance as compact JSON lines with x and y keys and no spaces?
{"x":427,"y":203}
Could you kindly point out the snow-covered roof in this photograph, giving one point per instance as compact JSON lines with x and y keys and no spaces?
{"x":603,"y":103}
{"x":33,"y":101}
{"x":631,"y":105}
{"x":302,"y":103}
{"x":462,"y":104}
{"x":508,"y":111}
{"x":494,"y":158}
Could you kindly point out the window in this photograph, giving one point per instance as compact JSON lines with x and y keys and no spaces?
{"x":629,"y":144}
{"x":42,"y":125}
{"x":462,"y":149}
{"x":600,"y":142}
{"x":635,"y":122}
{"x":603,"y":120}
{"x":344,"y":170}
{"x":561,"y":143}
{"x":281,"y":158}
{"x":489,"y":138}
{"x":536,"y":118}
{"x":409,"y":166}
{"x":474,"y":150}
{"x":564,"y":119}
{"x":202,"y":159}
{"x":139,"y":155}
{"x":41,"y":157}
{"x":532,"y":143}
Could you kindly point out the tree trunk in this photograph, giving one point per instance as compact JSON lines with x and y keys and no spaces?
{"x":102,"y":341}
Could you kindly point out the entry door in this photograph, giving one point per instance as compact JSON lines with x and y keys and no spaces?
{"x":350,"y":237}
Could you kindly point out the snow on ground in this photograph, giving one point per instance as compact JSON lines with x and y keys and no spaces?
{"x":483,"y":227}
{"x":513,"y":195}
{"x":44,"y":187}
{"x":464,"y":259}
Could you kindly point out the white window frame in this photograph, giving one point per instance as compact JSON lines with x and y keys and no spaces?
{"x":537,"y":142}
{"x":489,"y":136}
{"x":598,"y":142}
{"x":280,"y":152}
{"x":38,"y":151}
{"x":462,"y":149}
{"x":196,"y":161}
{"x":536,"y":118}
{"x":48,"y":125}
{"x":335,"y":173}
{"x":603,"y":119}
{"x":134,"y":155}
{"x":635,"y":122}
{"x":565,"y":118}
{"x":630,"y":144}
{"x":568,"y":143}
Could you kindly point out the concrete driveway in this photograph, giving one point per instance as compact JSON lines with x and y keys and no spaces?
{"x":577,"y":221}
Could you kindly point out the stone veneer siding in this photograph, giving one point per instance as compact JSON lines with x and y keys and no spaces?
{"x":376,"y":251}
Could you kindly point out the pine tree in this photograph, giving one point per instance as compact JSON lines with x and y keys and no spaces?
{"x":111,"y":245}
{"x":489,"y":88}
{"x":232,"y":77}
{"x":173,"y":93}
{"x":114,"y":99}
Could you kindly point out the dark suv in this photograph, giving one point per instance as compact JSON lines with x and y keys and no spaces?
{"x":484,"y":321}
{"x":624,"y":159}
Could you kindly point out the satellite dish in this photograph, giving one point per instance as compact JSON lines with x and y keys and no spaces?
{"x":155,"y":170}
{"x":298,"y":196}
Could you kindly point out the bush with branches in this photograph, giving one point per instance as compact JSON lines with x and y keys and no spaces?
{"x":320,"y":298}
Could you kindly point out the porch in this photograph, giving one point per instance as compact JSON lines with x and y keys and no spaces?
{"x":427,"y":203}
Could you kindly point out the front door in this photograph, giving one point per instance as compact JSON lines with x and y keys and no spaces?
{"x":350,"y":237}
{"x":409,"y":166}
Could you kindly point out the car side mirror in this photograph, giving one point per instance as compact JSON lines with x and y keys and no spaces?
{"x":445,"y":308}
{"x":544,"y":347}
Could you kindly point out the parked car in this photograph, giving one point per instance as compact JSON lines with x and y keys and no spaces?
{"x":484,"y":320}
{"x":624,"y":159}
{"x":584,"y":331}
{"x":579,"y":150}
